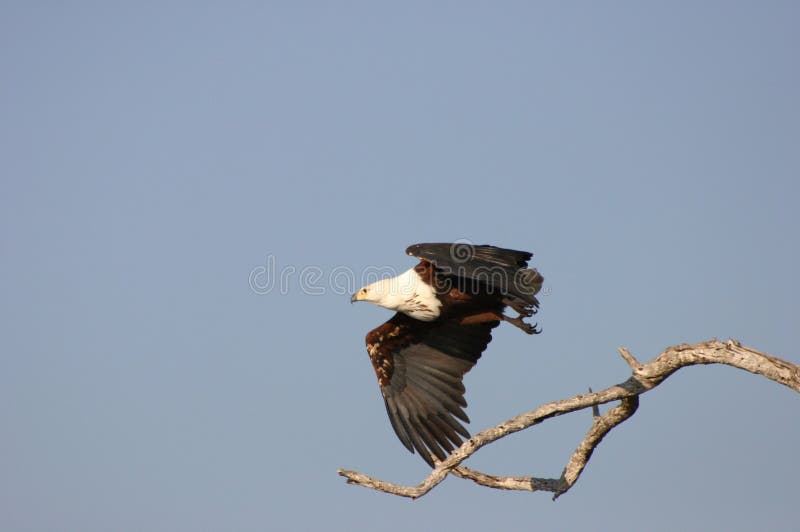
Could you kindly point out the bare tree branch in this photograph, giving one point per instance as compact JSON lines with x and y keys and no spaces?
{"x":644,"y":377}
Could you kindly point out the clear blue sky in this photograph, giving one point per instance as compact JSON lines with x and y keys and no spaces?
{"x":154,"y":156}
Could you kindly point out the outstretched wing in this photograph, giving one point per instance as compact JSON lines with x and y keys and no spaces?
{"x":420,"y":366}
{"x":502,"y":269}
{"x":460,"y":253}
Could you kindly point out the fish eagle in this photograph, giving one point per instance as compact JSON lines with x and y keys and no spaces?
{"x":447,"y":306}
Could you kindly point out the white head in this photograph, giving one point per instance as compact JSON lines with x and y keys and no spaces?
{"x":386,"y":292}
{"x":406,"y":293}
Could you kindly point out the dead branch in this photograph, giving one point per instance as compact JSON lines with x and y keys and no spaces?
{"x":644,"y":377}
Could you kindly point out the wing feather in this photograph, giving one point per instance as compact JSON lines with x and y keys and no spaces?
{"x":447,"y":432}
{"x":396,"y":420}
{"x":438,"y":392}
{"x":445,"y":397}
{"x":420,"y":432}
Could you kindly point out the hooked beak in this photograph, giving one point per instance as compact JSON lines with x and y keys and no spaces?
{"x":360,"y":295}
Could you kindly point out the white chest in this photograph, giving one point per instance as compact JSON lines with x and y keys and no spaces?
{"x":409,"y":294}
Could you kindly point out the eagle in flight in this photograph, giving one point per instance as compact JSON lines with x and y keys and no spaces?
{"x":447,"y":306}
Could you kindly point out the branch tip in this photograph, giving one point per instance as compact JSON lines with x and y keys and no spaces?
{"x":629,"y":358}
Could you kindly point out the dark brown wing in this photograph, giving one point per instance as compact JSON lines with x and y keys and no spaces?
{"x":501,"y":270}
{"x":458,"y":253}
{"x":420,"y":366}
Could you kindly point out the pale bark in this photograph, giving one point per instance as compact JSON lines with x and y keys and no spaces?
{"x":644,"y":377}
